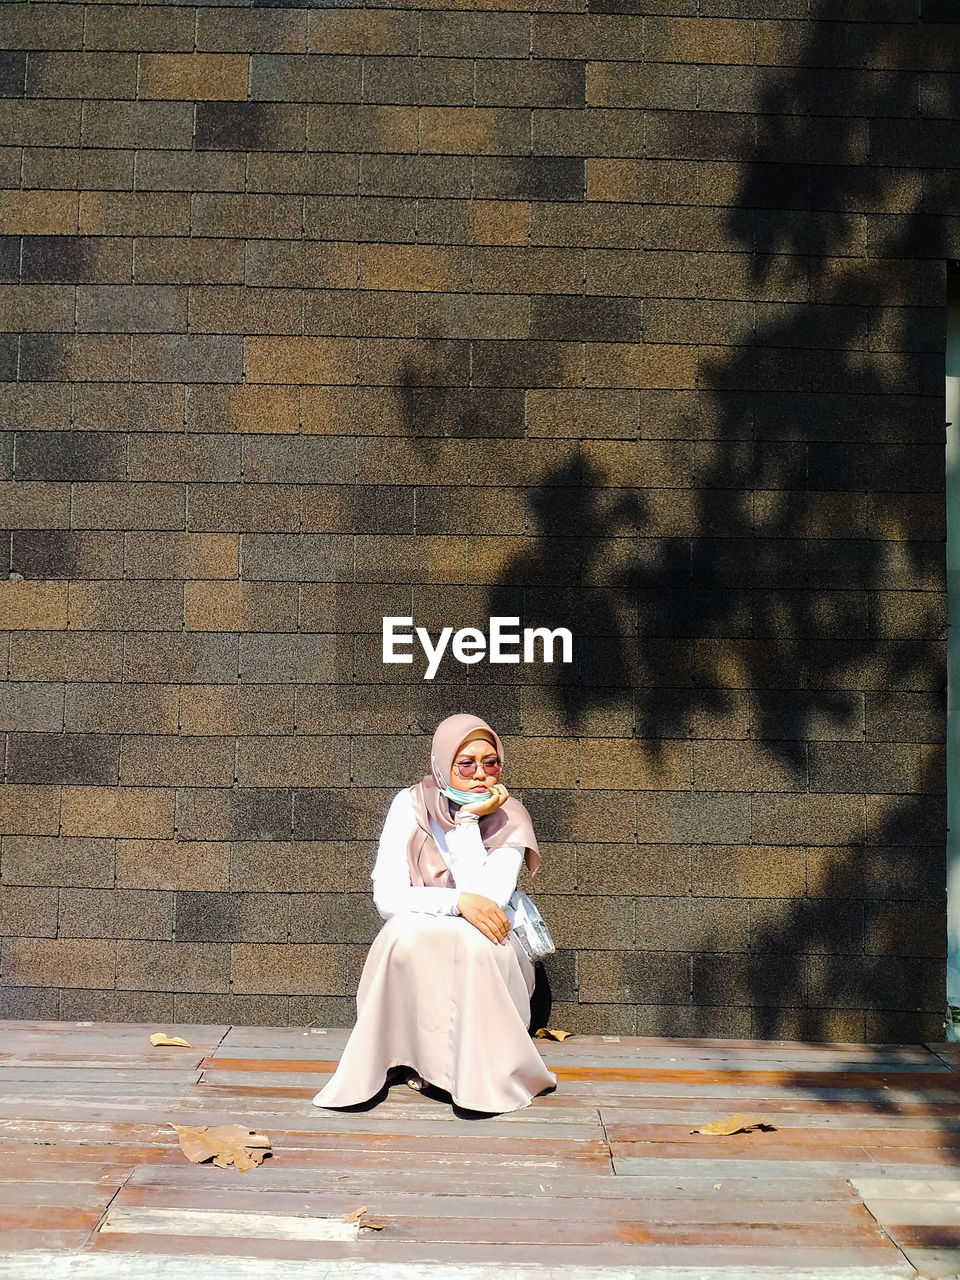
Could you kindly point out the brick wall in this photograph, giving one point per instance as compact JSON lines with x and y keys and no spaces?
{"x":629,"y":320}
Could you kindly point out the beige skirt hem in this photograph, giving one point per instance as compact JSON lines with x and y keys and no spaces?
{"x":439,"y":998}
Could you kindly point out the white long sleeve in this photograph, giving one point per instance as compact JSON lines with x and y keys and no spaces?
{"x":474,"y":868}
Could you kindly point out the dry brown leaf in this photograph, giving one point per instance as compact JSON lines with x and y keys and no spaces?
{"x":160,"y":1038}
{"x":737,"y":1123}
{"x":371,"y":1226}
{"x":551,"y":1033}
{"x":226,"y":1144}
{"x":355,"y":1214}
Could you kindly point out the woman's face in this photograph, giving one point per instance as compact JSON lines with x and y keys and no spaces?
{"x":476,"y":765}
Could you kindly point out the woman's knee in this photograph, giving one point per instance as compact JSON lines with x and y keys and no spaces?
{"x":477,"y":945}
{"x":412,"y":934}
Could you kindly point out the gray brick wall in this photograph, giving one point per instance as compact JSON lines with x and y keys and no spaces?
{"x":621,"y":316}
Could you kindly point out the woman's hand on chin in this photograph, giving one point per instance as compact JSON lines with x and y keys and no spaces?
{"x":484,"y":914}
{"x":489,"y":804}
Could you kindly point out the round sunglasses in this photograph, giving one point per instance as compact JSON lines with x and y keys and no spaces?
{"x":467,"y":768}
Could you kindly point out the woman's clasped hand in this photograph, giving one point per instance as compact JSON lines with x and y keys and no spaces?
{"x":485,"y":915}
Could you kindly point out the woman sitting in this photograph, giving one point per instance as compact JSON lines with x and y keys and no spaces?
{"x":445,"y":990}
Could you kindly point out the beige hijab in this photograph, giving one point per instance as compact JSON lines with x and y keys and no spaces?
{"x":509,"y":825}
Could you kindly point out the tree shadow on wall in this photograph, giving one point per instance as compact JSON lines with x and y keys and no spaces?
{"x":797,"y":607}
{"x":807,"y":592}
{"x":433,"y":404}
{"x":852,"y":391}
{"x":576,"y":524}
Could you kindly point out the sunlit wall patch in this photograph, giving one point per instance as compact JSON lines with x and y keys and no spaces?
{"x":503,"y":642}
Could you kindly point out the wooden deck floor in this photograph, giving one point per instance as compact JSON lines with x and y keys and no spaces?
{"x":860,"y":1178}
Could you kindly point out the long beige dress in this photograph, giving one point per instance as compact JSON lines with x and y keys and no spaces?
{"x":438,"y":997}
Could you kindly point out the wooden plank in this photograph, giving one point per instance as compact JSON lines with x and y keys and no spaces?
{"x":378,"y":1250}
{"x":79,"y":1130}
{"x":58,"y":1195}
{"x":945,"y":1158}
{"x":304,"y":1128}
{"x":106,"y":1266}
{"x":269,"y":1114}
{"x":342,"y":1160}
{"x":303,"y":1066}
{"x":632,"y":1230}
{"x":938,"y":1158}
{"x":613,"y":1099}
{"x":573,"y":1054}
{"x":562,"y":1107}
{"x":15,"y":1031}
{"x":626,"y":1166}
{"x":78,"y":1153}
{"x":62,"y":1091}
{"x":17,"y":1240}
{"x":724,"y":1150}
{"x":906,"y":1114}
{"x":219,"y":1222}
{"x":936,"y":1264}
{"x":46,"y":1218}
{"x":104,"y":1064}
{"x":138,"y":1111}
{"x":926,"y":1064}
{"x":867,"y":1079}
{"x":454,"y":1231}
{"x":923,"y":1235}
{"x":462,"y":1137}
{"x":941,"y":1080}
{"x":274,"y":1038}
{"x":623,"y":1137}
{"x":210,"y":1032}
{"x":276,"y":1176}
{"x":609,"y":1093}
{"x":587,"y":1151}
{"x":563,"y":1120}
{"x":893,"y":1214}
{"x":76,"y":1078}
{"x":906,"y":1189}
{"x":62,"y":1172}
{"x":56,"y":1027}
{"x":338,"y":1201}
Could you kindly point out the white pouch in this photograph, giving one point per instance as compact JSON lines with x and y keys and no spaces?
{"x":529,"y":926}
